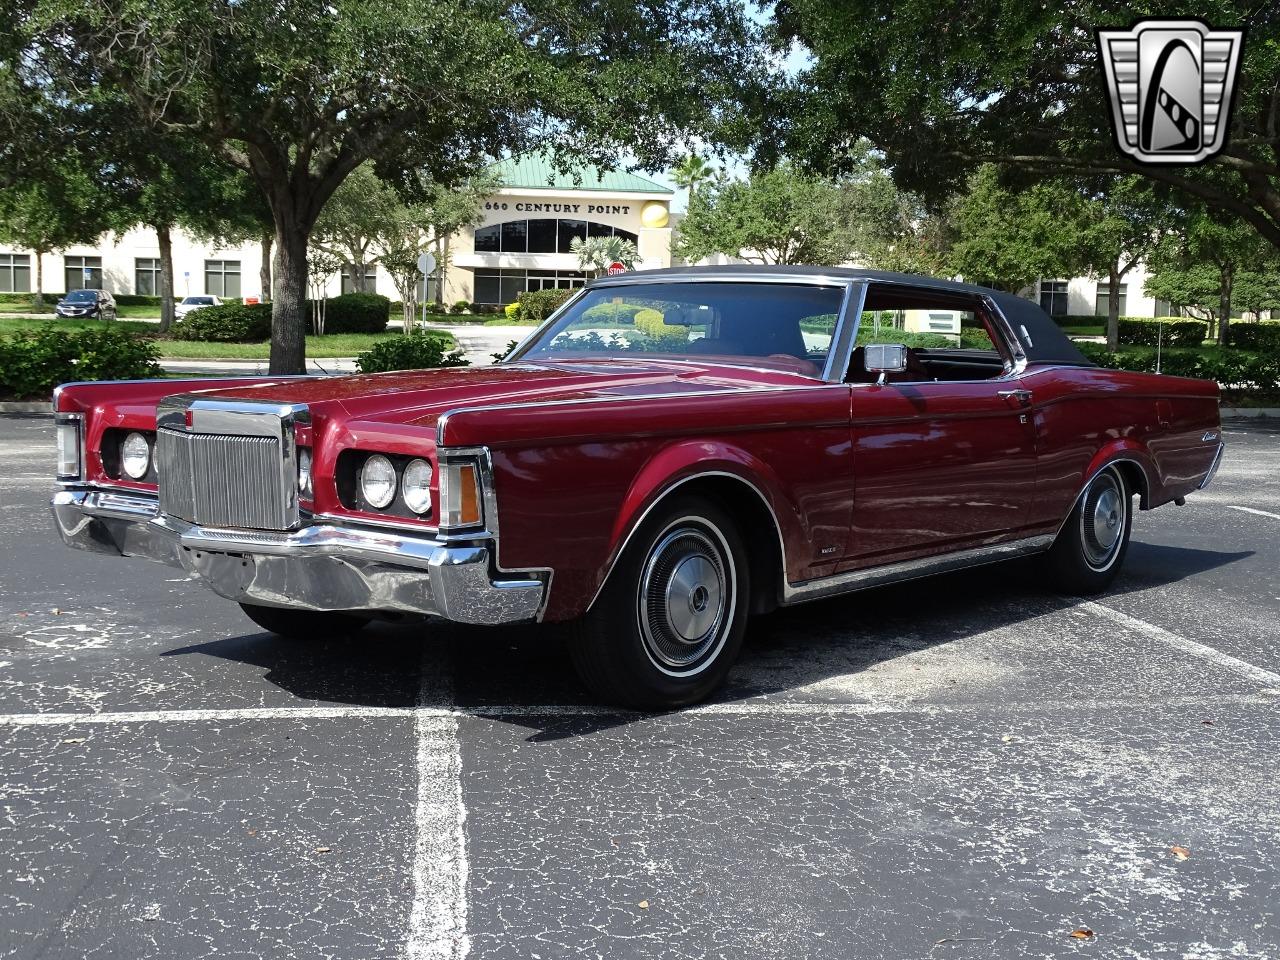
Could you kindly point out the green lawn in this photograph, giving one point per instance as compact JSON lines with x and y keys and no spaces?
{"x":1099,"y":330}
{"x":330,"y":345}
{"x":11,"y":325}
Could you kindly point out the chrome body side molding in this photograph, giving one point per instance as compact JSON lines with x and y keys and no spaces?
{"x":880,"y":576}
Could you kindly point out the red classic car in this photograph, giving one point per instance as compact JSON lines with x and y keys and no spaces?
{"x":671,"y":452}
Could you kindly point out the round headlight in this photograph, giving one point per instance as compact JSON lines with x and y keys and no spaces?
{"x":415,"y":489}
{"x":304,"y":472}
{"x":378,"y":481}
{"x":135,"y":456}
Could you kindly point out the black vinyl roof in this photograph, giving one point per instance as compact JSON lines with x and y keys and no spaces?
{"x":1042,"y":340}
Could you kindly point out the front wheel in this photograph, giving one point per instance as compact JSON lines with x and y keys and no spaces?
{"x":670,"y":621}
{"x":304,"y":624}
{"x":1092,"y":543}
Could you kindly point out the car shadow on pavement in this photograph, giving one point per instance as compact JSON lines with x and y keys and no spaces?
{"x":522,"y":674}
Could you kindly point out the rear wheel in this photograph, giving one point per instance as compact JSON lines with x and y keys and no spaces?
{"x":304,"y":624}
{"x":1092,"y":543}
{"x":670,"y":621}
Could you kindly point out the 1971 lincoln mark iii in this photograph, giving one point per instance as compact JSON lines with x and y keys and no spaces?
{"x":671,"y":452}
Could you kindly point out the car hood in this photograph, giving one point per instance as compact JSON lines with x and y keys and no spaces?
{"x":419,"y":397}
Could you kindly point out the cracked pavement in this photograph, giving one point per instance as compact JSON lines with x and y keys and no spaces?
{"x":952,"y":768}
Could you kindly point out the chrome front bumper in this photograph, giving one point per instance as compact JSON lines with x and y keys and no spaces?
{"x":318,"y":567}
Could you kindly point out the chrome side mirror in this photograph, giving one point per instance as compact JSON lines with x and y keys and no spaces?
{"x":884,"y":359}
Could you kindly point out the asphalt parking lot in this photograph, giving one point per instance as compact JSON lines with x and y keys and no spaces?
{"x":964,"y":767}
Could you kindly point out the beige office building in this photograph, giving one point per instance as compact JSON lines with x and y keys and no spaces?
{"x":521,"y":244}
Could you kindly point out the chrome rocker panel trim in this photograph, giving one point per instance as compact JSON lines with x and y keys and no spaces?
{"x":319,"y":567}
{"x":870,"y":577}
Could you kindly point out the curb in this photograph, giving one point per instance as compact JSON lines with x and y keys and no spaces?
{"x":26,"y":406}
{"x":1248,"y":413}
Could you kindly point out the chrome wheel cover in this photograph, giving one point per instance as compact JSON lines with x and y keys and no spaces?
{"x":1102,"y":520}
{"x":686,"y":597}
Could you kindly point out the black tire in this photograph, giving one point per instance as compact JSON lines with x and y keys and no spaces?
{"x":670,"y":621}
{"x":304,"y":624}
{"x":1092,"y":544}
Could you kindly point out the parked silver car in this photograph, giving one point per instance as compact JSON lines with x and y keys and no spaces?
{"x":195,"y":303}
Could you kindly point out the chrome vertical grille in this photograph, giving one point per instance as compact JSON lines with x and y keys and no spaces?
{"x":225,"y":481}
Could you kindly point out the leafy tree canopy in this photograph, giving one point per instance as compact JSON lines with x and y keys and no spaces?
{"x":942,"y":88}
{"x":300,"y":94}
{"x":776,"y":217}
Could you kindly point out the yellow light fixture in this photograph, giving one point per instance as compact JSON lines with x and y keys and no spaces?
{"x":654,"y":215}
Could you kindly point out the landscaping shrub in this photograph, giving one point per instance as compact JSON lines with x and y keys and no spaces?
{"x":137,"y":300}
{"x":512,"y":312}
{"x":25,"y":299}
{"x":1171,"y":331}
{"x":1238,"y":372}
{"x":1080,"y":320}
{"x":414,"y":351}
{"x":32,"y":364}
{"x":502,"y":354}
{"x":228,"y":323}
{"x":650,"y":323}
{"x":357,"y":313}
{"x":617,"y":314}
{"x":537,"y":305}
{"x":1262,"y":335}
{"x":459,"y":307}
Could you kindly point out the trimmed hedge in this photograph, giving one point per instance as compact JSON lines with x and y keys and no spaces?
{"x":413,"y":351}
{"x":650,"y":323}
{"x":357,"y":313}
{"x":537,"y":305}
{"x":1170,"y":331}
{"x":1262,"y":335}
{"x":32,"y":364}
{"x":1237,"y":372}
{"x":227,"y":323}
{"x":27,"y":298}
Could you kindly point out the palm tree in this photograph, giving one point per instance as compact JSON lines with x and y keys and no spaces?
{"x":692,"y":171}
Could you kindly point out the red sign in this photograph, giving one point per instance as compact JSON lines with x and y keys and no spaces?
{"x":615,"y":268}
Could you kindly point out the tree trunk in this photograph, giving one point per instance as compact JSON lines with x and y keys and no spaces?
{"x":289,"y":301}
{"x":440,"y":268}
{"x":38,"y":300}
{"x":165,"y":239}
{"x":264,"y":271}
{"x":1228,"y":275}
{"x":1113,"y":309}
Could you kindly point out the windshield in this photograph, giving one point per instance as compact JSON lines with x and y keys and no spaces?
{"x":199,"y":301}
{"x":778,"y":324}
{"x":82,"y":296}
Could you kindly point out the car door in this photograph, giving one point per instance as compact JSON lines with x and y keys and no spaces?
{"x":939,"y":465}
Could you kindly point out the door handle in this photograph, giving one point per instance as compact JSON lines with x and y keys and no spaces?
{"x":1022,"y":396}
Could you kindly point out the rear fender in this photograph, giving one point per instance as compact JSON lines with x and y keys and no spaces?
{"x":1136,"y":462}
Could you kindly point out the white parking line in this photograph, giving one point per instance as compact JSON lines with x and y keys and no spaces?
{"x":200,"y":716}
{"x":1203,"y":651}
{"x":1260,"y":513}
{"x":438,"y":917}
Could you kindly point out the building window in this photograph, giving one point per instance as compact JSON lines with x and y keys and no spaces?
{"x":1053,"y":297}
{"x":1102,"y":302}
{"x":222,"y":278}
{"x":146,"y":276}
{"x":15,"y":273}
{"x":504,"y":286}
{"x":1166,"y":309}
{"x":370,"y":279}
{"x":542,"y":236}
{"x":82,"y":273}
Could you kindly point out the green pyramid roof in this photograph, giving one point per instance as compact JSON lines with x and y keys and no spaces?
{"x":535,"y":171}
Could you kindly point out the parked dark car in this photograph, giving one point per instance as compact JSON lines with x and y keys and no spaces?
{"x":97,"y":304}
